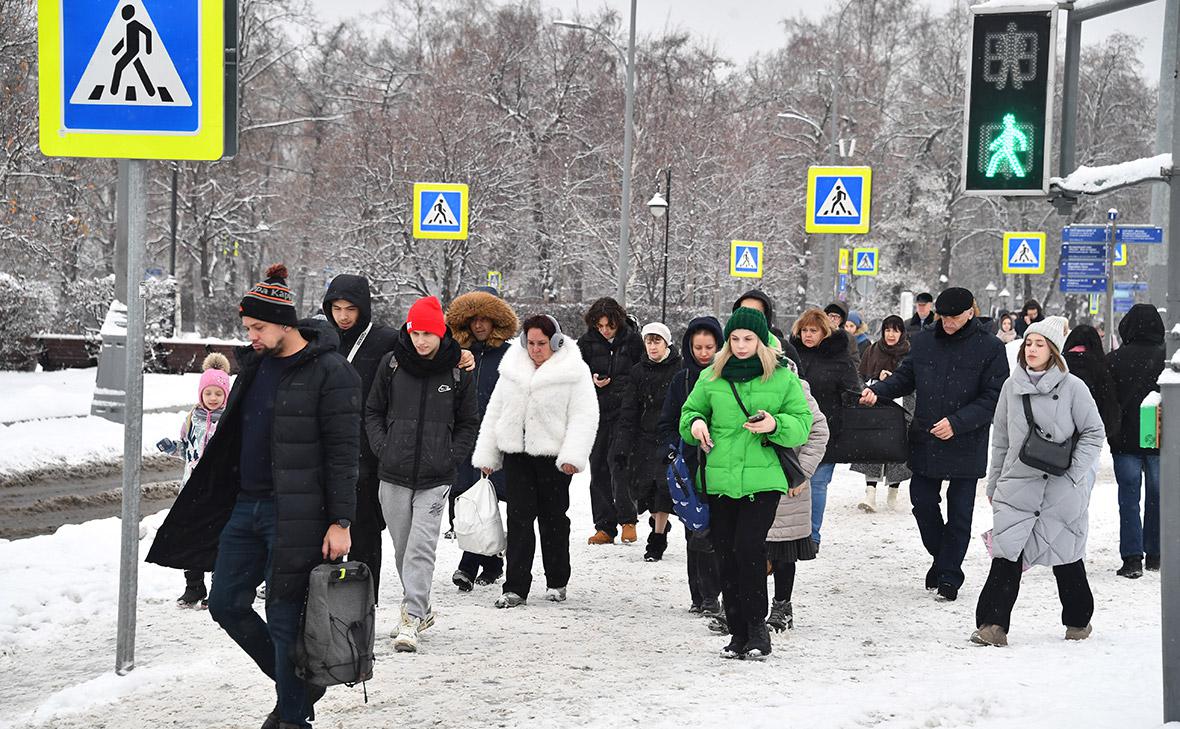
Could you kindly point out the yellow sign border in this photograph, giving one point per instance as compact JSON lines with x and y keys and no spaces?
{"x":207,"y":144}
{"x":876,"y":261}
{"x":1123,"y":248}
{"x":844,"y":266}
{"x":1026,"y":234}
{"x":866,"y":174}
{"x":733,"y":246}
{"x":419,"y":188}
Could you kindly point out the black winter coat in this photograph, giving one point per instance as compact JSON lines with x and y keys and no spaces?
{"x":315,"y":439}
{"x":1092,"y":371}
{"x":377,"y":343}
{"x":422,"y":415}
{"x":831,"y":371}
{"x":487,"y":374}
{"x":614,"y":360}
{"x":637,"y":437}
{"x":957,"y":377}
{"x":681,"y":384}
{"x":1134,"y":367}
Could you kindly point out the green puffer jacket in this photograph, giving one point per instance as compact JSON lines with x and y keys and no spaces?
{"x":739,"y":465}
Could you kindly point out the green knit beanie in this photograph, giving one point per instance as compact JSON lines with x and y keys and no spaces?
{"x":751,"y":319}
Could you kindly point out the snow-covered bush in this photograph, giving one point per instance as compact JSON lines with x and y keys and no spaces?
{"x":27,"y":308}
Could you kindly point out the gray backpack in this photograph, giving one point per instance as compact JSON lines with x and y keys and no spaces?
{"x":339,"y":622}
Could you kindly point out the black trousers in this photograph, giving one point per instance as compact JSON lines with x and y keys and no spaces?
{"x":998,"y":596}
{"x":738,"y":528}
{"x":369,"y":525}
{"x":537,"y":493}
{"x":611,"y":503}
{"x":704,"y":578}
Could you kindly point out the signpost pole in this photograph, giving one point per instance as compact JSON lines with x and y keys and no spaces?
{"x":1170,"y":443}
{"x":1112,"y":216}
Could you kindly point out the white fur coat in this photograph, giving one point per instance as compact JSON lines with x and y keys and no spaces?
{"x":551,"y":410}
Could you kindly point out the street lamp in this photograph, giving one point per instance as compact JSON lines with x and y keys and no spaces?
{"x":628,"y":133}
{"x":1005,"y":295}
{"x":658,"y":205}
{"x":991,"y":290}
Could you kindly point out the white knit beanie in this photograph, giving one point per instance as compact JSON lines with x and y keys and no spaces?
{"x":1052,"y":328}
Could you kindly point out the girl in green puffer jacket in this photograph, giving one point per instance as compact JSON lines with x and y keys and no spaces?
{"x":742,"y":475}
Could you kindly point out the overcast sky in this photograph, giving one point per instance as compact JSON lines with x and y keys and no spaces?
{"x":742,"y":28}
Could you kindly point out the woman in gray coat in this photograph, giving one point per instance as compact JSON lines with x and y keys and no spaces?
{"x":1040,"y":519}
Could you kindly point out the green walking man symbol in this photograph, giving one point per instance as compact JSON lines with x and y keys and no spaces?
{"x":1004,"y":148}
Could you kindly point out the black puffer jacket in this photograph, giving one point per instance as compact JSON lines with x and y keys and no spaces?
{"x":830,"y":370}
{"x":421,"y":420}
{"x":315,"y":440}
{"x":614,"y":360}
{"x":1083,"y":356}
{"x":1135,"y":366}
{"x":638,"y":430}
{"x":378,"y":341}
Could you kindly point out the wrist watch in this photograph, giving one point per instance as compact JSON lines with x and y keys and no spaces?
{"x":343,"y":523}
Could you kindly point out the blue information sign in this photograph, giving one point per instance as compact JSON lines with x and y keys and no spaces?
{"x":1122,"y":234}
{"x":1083,"y":285}
{"x":1140,"y":234}
{"x":1096,"y":251}
{"x":1078,"y":269}
{"x":1130,"y":286}
{"x":1084,"y":234}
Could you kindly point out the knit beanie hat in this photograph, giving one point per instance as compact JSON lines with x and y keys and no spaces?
{"x":216,"y":374}
{"x":658,"y":329}
{"x":750,"y":319}
{"x":954,"y":301}
{"x":426,"y":315}
{"x":271,"y":300}
{"x":1051,"y":328}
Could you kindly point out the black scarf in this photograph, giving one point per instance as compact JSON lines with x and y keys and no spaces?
{"x":446,"y":358}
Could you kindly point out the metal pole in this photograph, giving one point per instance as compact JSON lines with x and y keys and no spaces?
{"x":135,"y":186}
{"x":1069,"y":95}
{"x":1157,"y":256}
{"x":1110,"y":244}
{"x":1170,"y":450}
{"x":628,"y":132}
{"x":172,"y":257}
{"x":667,"y":215}
{"x":830,"y":243}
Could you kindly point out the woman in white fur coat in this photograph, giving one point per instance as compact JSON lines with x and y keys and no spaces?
{"x":539,"y":427}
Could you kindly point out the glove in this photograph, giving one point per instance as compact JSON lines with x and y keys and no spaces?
{"x":166,"y":445}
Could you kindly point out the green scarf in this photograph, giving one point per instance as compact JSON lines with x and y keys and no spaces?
{"x":742,"y":370}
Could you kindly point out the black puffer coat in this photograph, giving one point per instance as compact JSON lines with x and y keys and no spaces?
{"x":614,"y":360}
{"x":1084,"y":357}
{"x":637,"y":437}
{"x":422,"y":416}
{"x":315,"y":440}
{"x":957,"y":377}
{"x":830,"y":370}
{"x":1135,"y":366}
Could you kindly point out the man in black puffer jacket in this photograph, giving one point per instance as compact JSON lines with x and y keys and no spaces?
{"x":276,"y":486}
{"x":422,"y":418}
{"x":348,"y":306}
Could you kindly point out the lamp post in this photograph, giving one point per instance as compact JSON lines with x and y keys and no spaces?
{"x":991,"y":291}
{"x":658,"y":205}
{"x":628,"y":134}
{"x":1005,"y":294}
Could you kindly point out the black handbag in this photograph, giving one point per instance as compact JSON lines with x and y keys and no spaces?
{"x":787,"y":457}
{"x":870,"y":434}
{"x":1041,"y":453}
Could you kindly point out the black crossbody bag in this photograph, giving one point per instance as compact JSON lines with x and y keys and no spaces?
{"x":787,"y":457}
{"x":1040,"y":452}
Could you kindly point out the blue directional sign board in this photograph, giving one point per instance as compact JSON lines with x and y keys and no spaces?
{"x":1130,"y":286}
{"x":1084,"y":234}
{"x":1139,"y":234}
{"x":1122,"y":234}
{"x":1083,"y":265}
{"x":1081,"y":268}
{"x":1083,"y":285}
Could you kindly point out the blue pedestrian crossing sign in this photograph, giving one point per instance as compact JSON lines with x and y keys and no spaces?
{"x":440,"y":211}
{"x":838,"y":199}
{"x":1024,"y":253}
{"x":865,"y":261}
{"x":745,"y":259}
{"x":136,"y":79}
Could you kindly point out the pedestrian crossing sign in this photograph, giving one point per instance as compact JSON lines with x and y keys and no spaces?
{"x":1120,"y":254}
{"x":440,"y":211}
{"x":865,"y":261}
{"x":838,"y":199}
{"x":745,"y":259}
{"x":133,"y":79}
{"x":1024,"y":253}
{"x":845,"y":265}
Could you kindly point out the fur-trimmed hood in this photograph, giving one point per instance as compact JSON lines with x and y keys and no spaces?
{"x":479,"y":303}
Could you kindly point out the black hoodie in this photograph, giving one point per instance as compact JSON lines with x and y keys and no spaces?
{"x":682,"y":384}
{"x":1135,"y":366}
{"x":767,"y":304}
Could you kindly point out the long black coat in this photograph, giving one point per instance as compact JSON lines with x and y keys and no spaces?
{"x":957,"y":377}
{"x":1092,"y":371}
{"x":831,"y":371}
{"x":1135,"y":366}
{"x":315,"y":439}
{"x":614,"y":360}
{"x":638,"y":431}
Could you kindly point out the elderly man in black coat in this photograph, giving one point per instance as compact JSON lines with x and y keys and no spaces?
{"x":275,"y":492}
{"x":957,"y":370}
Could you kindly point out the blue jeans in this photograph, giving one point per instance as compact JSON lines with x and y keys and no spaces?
{"x":819,"y":496}
{"x":1133,"y":471}
{"x":945,"y":541}
{"x":243,"y":561}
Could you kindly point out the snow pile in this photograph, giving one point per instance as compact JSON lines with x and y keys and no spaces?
{"x":39,"y":444}
{"x":1107,"y":178}
{"x":68,"y":393}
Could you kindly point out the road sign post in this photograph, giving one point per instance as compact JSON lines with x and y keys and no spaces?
{"x":1112,"y":217}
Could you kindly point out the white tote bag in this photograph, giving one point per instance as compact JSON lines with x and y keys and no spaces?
{"x":478,"y":526}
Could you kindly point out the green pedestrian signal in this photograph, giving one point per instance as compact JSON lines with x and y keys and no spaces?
{"x":1009,"y":105}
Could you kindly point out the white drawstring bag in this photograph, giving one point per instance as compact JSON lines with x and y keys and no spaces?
{"x":478,"y":526}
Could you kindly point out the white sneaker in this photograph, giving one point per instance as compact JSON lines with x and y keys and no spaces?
{"x":555,"y":594}
{"x":509,"y":600}
{"x":423,"y":624}
{"x":407,"y":637}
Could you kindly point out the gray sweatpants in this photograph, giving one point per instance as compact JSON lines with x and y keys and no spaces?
{"x":414,"y":519}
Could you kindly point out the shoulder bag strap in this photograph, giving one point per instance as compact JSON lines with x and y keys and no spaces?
{"x":359,"y":341}
{"x":736,"y":396}
{"x":1028,"y":415}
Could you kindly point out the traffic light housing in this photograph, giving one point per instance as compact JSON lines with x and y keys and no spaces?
{"x":1007,"y":135}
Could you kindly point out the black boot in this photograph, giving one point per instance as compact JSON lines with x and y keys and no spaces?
{"x":194,"y":589}
{"x":758,"y":645}
{"x":738,"y":633}
{"x":272,"y":719}
{"x":1152,"y":563}
{"x":657,"y":544}
{"x":1132,"y":568}
{"x":932,"y":578}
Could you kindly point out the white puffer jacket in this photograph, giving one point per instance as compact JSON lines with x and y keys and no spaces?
{"x":551,"y":410}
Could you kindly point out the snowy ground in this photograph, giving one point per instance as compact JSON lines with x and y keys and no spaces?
{"x":871,"y":647}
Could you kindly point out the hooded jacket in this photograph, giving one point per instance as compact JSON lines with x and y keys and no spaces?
{"x":1083,"y":355}
{"x":767,"y":304}
{"x":1134,"y":367}
{"x":315,"y":438}
{"x":199,"y":427}
{"x":377,"y":342}
{"x":682,"y":384}
{"x":830,"y":370}
{"x":421,"y":415}
{"x":613,"y":359}
{"x":638,"y":431}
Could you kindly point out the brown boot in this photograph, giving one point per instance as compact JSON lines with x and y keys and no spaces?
{"x":601,"y":537}
{"x":628,"y":536}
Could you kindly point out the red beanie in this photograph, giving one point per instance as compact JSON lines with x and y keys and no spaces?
{"x":426,"y":315}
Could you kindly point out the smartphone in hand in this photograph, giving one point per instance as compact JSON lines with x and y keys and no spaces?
{"x":756,"y":418}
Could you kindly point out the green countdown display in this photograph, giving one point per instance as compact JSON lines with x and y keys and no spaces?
{"x":1007,"y":135}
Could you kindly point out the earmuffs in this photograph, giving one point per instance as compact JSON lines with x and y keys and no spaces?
{"x":555,"y":342}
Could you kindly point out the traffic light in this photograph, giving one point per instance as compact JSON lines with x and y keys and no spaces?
{"x":1008,"y":120}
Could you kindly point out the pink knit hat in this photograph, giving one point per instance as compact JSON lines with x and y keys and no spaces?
{"x":216,"y":374}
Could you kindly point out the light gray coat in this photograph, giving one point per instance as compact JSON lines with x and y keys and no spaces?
{"x":792,"y":520}
{"x":1046,"y":517}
